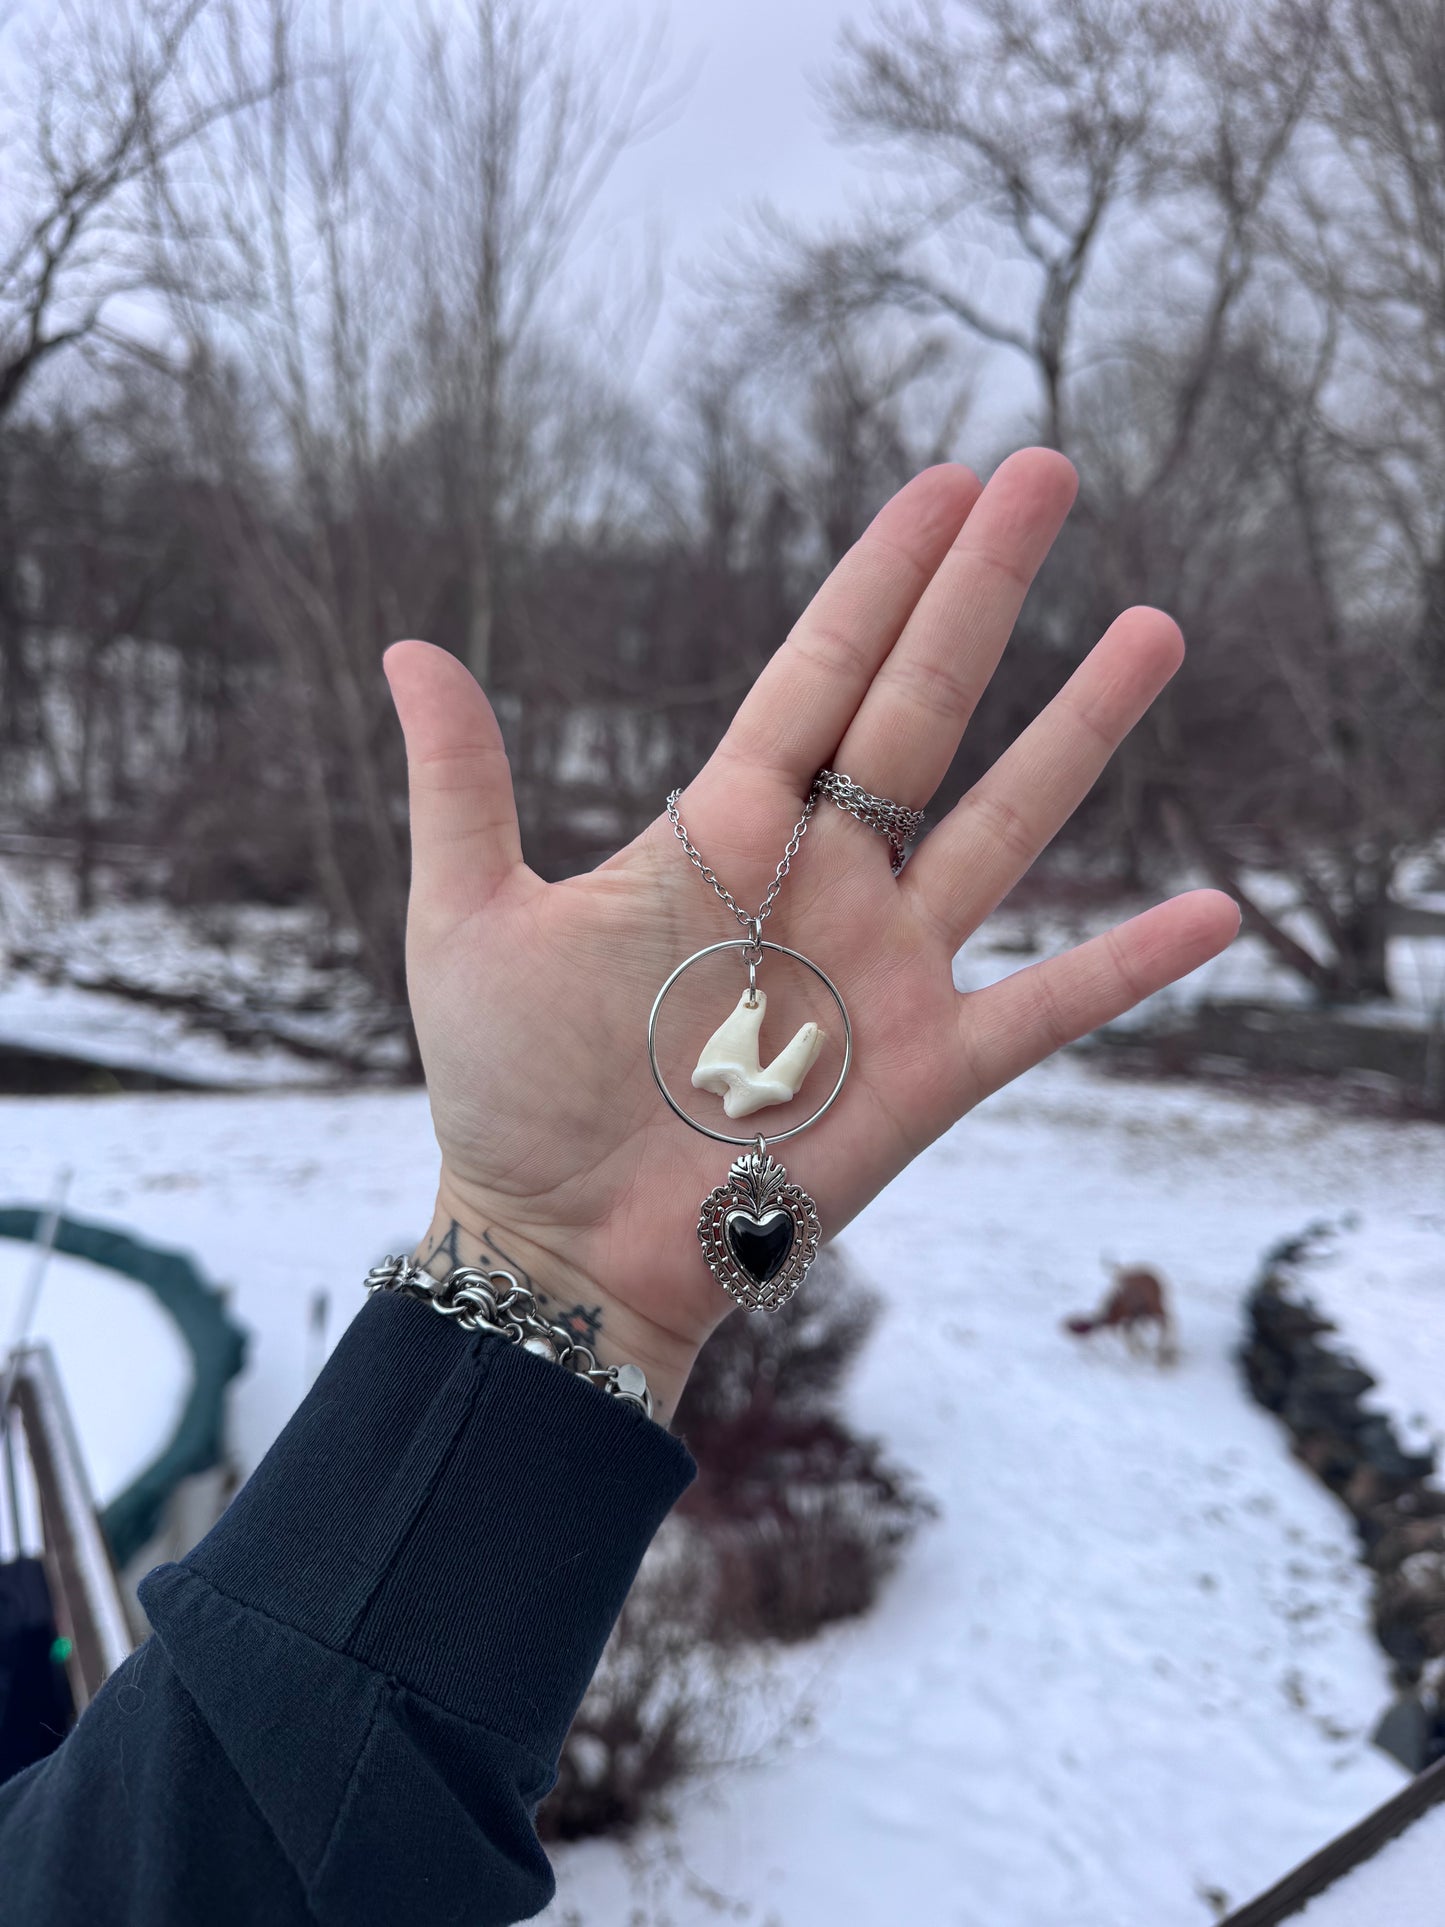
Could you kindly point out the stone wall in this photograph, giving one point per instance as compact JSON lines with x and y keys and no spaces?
{"x":1319,"y":1393}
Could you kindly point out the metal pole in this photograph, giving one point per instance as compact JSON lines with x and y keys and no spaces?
{"x":29,"y":1300}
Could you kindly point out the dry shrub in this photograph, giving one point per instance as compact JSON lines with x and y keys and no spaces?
{"x":793,"y":1522}
{"x":805,"y":1519}
{"x":785,"y":1578}
{"x":651,"y":1707}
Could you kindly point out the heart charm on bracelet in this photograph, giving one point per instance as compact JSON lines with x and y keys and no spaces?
{"x":759,"y":1234}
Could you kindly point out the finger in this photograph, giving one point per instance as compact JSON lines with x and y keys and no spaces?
{"x":985,"y":844}
{"x":464,"y":837}
{"x":907,"y":728}
{"x":1015,"y":1024}
{"x":793,"y":718}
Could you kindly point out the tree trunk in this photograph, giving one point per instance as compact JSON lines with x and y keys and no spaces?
{"x":480,"y":613}
{"x":1223,"y":873}
{"x":1362,"y":946}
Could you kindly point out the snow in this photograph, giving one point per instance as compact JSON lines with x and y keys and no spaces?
{"x":280,"y":1198}
{"x":1401,"y":1884}
{"x":272,"y":973}
{"x":1129,"y":1666}
{"x":257,"y":960}
{"x":1248,"y":970}
{"x":107,"y":1030}
{"x":90,"y":1317}
{"x":1131,"y":1663}
{"x":1389,"y":1303}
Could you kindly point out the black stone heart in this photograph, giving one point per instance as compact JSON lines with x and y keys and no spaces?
{"x":760,"y":1245}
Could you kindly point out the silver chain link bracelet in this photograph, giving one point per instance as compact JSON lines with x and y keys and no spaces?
{"x":496,"y":1301}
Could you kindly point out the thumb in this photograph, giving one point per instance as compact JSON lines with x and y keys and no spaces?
{"x":464,"y":837}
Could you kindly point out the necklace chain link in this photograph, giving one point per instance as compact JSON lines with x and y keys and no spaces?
{"x":895,"y":821}
{"x":752,"y":924}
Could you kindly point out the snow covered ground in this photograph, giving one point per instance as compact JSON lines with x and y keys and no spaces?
{"x":274,"y":970}
{"x":73,"y":1020}
{"x":1389,"y":1302}
{"x":1127,"y":1675}
{"x":1400,"y":1885}
{"x":1017,"y":934}
{"x":1130,"y":1665}
{"x":272,"y":973}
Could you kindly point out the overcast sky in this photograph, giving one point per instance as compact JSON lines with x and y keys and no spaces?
{"x":748,"y":125}
{"x":746,"y":128}
{"x":749,"y":128}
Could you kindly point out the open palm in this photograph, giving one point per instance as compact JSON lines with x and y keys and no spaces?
{"x":531,"y":999}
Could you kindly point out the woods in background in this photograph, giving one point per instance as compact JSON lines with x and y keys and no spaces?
{"x":306,"y":343}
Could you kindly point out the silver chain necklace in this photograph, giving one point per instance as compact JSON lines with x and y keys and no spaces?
{"x":759,"y":1233}
{"x":694,"y":856}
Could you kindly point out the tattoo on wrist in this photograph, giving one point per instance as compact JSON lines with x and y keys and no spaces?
{"x":443,"y":1253}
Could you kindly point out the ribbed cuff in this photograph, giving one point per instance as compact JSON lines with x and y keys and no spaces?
{"x":456,"y":1514}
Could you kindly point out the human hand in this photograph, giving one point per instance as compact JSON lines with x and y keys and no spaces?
{"x":531,"y":999}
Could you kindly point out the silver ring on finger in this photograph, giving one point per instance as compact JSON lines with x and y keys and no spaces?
{"x":895,"y":821}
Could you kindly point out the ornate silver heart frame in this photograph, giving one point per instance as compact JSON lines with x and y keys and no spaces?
{"x":756,"y":1191}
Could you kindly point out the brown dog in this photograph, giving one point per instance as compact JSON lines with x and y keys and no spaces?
{"x":1137,"y":1300}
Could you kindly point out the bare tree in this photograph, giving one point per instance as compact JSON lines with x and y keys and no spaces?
{"x":936,"y":90}
{"x":870,"y":414}
{"x":102,"y":104}
{"x":1381,"y":258}
{"x":1353,"y":410}
{"x":389,"y":422}
{"x":517,"y":123}
{"x":105,"y":99}
{"x":1152,"y":206}
{"x":286,"y":393}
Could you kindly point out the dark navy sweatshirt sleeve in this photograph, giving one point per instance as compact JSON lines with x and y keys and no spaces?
{"x":359,"y":1681}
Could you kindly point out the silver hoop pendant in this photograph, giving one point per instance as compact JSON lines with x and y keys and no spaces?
{"x":758,"y":1232}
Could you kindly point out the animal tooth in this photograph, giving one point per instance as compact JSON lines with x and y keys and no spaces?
{"x":730,"y":1066}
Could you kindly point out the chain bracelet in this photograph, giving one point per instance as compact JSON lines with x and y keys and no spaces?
{"x":496,"y":1301}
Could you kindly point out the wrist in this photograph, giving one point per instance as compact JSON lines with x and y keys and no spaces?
{"x":609,"y":1328}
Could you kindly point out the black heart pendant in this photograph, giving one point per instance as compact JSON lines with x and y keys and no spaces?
{"x":759,"y":1234}
{"x":760,"y":1245}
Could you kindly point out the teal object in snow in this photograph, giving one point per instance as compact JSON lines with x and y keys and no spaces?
{"x":218,"y":1351}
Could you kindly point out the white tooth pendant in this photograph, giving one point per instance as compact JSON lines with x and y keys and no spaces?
{"x":759,"y":1232}
{"x":730,"y":1064}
